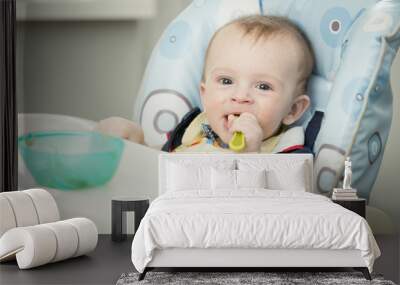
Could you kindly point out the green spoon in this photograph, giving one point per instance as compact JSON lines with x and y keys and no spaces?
{"x":237,"y":142}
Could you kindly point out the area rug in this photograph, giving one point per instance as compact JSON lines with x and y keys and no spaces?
{"x":243,"y":278}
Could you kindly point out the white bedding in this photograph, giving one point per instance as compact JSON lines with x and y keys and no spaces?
{"x":251,"y":218}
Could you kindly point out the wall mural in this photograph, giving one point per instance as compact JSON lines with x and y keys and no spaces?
{"x":62,"y":152}
{"x":349,"y":95}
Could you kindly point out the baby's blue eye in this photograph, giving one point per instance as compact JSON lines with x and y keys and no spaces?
{"x":263,"y":86}
{"x":225,"y":81}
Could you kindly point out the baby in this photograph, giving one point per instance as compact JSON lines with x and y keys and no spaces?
{"x":254,"y":81}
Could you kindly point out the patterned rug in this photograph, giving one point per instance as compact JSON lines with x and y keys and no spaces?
{"x":243,"y":278}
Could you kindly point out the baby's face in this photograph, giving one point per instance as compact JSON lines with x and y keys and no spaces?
{"x":244,"y":75}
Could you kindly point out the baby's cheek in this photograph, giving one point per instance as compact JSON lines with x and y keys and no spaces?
{"x":272,"y":130}
{"x":267,"y":129}
{"x":207,"y":103}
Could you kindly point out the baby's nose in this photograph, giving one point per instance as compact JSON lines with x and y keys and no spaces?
{"x":242,"y":97}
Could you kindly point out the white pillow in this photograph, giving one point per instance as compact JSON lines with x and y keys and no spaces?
{"x":193,"y":173}
{"x":293,"y":179}
{"x":251,"y":178}
{"x":181,"y":177}
{"x":236,"y":179}
{"x":282,"y":174}
{"x":223,"y":179}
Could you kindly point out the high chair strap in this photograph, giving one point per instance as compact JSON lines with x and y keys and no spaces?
{"x":311,"y":134}
{"x":175,"y":137}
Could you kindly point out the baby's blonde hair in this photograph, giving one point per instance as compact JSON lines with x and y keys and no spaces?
{"x":263,"y":27}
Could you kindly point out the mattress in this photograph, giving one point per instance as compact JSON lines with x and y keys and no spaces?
{"x":250,"y":218}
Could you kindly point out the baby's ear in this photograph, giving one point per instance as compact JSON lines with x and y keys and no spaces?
{"x":202,"y":88}
{"x":299,"y":106}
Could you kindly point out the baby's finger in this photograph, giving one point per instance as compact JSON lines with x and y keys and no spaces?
{"x":231,"y":119}
{"x":248,"y":117}
{"x":241,"y":126}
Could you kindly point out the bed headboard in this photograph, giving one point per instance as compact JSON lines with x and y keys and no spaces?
{"x":214,"y":158}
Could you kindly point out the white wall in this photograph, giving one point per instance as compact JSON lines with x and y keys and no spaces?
{"x":89,"y":69}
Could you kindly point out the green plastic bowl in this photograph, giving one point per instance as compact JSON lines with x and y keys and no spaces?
{"x":70,"y":160}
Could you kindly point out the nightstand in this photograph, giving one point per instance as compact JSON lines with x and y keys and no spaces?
{"x":355,"y":205}
{"x":119,"y":207}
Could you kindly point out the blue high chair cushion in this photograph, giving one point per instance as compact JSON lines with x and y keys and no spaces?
{"x":354,"y":42}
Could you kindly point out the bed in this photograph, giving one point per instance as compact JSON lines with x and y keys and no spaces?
{"x":247,"y":210}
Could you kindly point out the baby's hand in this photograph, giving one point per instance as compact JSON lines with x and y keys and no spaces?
{"x":247,"y":124}
{"x":120,"y":127}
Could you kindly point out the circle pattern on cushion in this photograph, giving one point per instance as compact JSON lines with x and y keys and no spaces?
{"x":326,"y":179}
{"x":374,"y":147}
{"x":334,"y":24}
{"x":161,"y":111}
{"x":327,"y":160}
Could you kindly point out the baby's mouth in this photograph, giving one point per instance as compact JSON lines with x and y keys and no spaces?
{"x":226,"y":118}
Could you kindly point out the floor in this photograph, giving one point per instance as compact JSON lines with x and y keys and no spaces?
{"x":111,"y":259}
{"x":102,"y":266}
